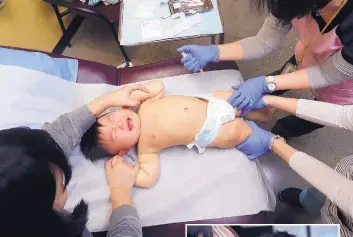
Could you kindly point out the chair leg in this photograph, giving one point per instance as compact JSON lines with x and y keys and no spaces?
{"x":122,"y":49}
{"x":213,"y":39}
{"x":60,"y":20}
{"x":221,"y":38}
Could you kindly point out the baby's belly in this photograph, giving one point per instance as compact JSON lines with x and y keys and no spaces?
{"x":173,"y":120}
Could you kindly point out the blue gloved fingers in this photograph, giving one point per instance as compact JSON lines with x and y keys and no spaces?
{"x":238,"y":101}
{"x":251,"y":124}
{"x":190,"y":62}
{"x":236,"y":87}
{"x":234,"y":96}
{"x":244,"y":112}
{"x":242,"y":146}
{"x":185,"y":48}
{"x":197,"y":68}
{"x":187,"y":58}
{"x":252,"y":157}
{"x":243,"y":104}
{"x":246,"y":152}
{"x":192,"y":65}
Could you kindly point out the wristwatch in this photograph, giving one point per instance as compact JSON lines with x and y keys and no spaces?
{"x":271,"y":86}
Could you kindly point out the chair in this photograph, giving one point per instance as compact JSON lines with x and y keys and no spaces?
{"x":109,"y":14}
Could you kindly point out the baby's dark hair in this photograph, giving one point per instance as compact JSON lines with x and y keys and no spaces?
{"x":196,"y":231}
{"x":278,"y":234}
{"x":90,"y":144}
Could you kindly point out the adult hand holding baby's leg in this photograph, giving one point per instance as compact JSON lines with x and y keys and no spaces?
{"x":121,"y":177}
{"x":257,"y":144}
{"x":246,"y":95}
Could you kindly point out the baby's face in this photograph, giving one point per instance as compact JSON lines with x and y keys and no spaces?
{"x":120,"y":130}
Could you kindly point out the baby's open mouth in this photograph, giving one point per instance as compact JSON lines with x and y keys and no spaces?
{"x":130,"y":123}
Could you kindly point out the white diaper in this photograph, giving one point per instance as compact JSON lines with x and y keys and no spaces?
{"x":219,"y":112}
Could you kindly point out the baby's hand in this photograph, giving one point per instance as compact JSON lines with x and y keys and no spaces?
{"x":120,"y":174}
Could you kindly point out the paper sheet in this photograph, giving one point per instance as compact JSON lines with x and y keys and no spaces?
{"x":151,"y":29}
{"x":184,"y":24}
{"x":192,"y":186}
{"x":145,"y":9}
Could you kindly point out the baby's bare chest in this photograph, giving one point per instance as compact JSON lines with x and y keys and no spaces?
{"x":171,"y":121}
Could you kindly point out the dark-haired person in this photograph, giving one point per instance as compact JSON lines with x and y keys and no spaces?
{"x":323,"y":59}
{"x":336,"y":184}
{"x":34,"y":174}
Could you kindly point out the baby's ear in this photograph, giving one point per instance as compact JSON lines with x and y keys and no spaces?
{"x":123,"y":152}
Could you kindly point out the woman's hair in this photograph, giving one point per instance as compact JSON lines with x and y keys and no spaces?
{"x":28,"y":186}
{"x":287,"y":10}
{"x":197,"y":231}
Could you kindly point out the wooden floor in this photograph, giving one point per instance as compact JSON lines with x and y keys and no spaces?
{"x":29,"y":24}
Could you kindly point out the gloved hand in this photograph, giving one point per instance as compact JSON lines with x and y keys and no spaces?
{"x":197,"y":57}
{"x":257,"y":144}
{"x":248,"y":93}
{"x":259,"y":104}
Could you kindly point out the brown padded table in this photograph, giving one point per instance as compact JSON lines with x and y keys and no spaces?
{"x":92,"y":72}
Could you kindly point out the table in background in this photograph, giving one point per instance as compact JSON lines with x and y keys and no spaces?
{"x":130,"y":26}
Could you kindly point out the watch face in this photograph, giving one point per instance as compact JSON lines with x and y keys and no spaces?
{"x":271,"y":86}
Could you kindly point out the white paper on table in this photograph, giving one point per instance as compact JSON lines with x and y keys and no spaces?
{"x":151,"y":29}
{"x":184,"y":24}
{"x":145,"y":9}
{"x":176,"y":5}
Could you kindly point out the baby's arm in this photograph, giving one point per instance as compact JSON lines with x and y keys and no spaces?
{"x":156,"y":89}
{"x":257,"y":114}
{"x":149,"y":170}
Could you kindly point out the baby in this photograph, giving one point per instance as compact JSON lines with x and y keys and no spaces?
{"x":161,"y":122}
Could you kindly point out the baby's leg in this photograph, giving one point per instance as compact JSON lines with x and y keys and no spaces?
{"x":232,"y":134}
{"x":262,"y":115}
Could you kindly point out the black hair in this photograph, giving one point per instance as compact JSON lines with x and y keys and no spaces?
{"x":90,"y":144}
{"x":278,"y":234}
{"x":28,"y":186}
{"x":195,"y":231}
{"x":287,"y":10}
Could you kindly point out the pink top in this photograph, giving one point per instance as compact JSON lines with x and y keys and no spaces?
{"x":327,"y":45}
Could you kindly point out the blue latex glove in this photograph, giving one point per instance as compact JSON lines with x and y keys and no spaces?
{"x":248,"y":93}
{"x":258,"y":105}
{"x":257,"y":144}
{"x":197,"y":57}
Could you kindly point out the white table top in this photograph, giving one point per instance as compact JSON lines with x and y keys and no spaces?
{"x":131,"y":30}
